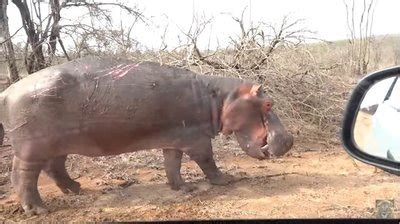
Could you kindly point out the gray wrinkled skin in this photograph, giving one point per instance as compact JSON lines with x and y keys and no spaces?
{"x":104,"y":106}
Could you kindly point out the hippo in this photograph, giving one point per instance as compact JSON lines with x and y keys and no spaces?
{"x":101,"y":106}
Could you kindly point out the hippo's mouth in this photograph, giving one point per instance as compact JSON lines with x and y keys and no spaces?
{"x":264,"y":150}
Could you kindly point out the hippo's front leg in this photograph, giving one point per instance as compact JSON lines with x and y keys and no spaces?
{"x":172,"y":164}
{"x":202,"y":154}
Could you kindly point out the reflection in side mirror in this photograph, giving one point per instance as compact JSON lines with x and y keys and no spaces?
{"x":377,"y":126}
{"x":371,"y":124}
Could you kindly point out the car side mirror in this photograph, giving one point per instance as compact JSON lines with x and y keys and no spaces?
{"x":371,"y":125}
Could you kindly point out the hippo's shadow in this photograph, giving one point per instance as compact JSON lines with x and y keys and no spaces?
{"x":155,"y":194}
{"x":250,"y":187}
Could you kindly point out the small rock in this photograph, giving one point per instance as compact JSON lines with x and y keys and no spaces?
{"x":126,"y":184}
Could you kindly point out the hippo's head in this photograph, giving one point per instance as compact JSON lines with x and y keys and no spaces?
{"x":247,"y":113}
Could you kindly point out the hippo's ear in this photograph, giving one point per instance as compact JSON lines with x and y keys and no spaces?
{"x":255,"y":90}
{"x":248,"y":91}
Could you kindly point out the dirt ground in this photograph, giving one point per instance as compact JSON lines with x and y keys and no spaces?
{"x":312,"y":181}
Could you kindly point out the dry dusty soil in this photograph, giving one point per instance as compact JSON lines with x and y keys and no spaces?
{"x":312,"y":181}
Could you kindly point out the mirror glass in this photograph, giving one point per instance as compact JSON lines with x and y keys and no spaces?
{"x":377,"y":127}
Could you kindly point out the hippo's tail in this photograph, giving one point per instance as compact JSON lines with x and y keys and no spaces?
{"x":2,"y":133}
{"x":2,"y":116}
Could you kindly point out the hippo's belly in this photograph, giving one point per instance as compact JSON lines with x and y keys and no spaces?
{"x":122,"y":140}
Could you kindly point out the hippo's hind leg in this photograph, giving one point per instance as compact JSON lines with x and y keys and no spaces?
{"x":55,"y":168}
{"x":15,"y":174}
{"x":172,"y":164}
{"x":24,"y":178}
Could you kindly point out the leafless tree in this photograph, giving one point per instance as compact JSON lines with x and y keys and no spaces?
{"x":250,"y":49}
{"x":43,"y":30}
{"x":360,"y":33}
{"x":257,"y":42}
{"x":193,"y":53}
{"x":98,"y":39}
{"x":101,"y":35}
{"x":7,"y":45}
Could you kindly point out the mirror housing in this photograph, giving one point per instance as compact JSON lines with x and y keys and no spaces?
{"x":350,"y":115}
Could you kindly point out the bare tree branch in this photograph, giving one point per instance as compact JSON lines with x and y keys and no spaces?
{"x":11,"y":36}
{"x":85,"y":3}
